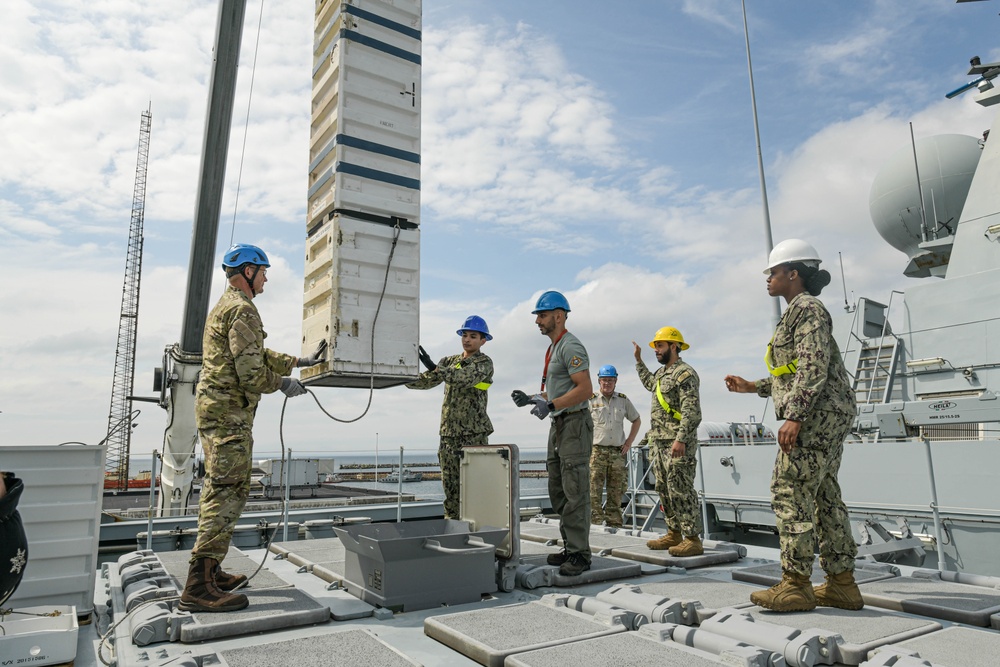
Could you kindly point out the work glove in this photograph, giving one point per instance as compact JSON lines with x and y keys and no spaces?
{"x":291,"y":387}
{"x":541,"y":409}
{"x":425,"y":358}
{"x":520,"y":398}
{"x":316,"y":357}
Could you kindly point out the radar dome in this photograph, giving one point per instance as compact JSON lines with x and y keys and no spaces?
{"x":947,"y":163}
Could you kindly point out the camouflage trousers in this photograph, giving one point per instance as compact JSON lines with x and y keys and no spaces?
{"x":224,"y":491}
{"x":607,"y":468}
{"x":450,"y":458}
{"x":675,"y":484}
{"x":571,"y":437}
{"x":807,"y":501}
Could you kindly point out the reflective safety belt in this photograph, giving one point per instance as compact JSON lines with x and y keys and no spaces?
{"x":666,"y":406}
{"x":479,"y":385}
{"x":780,"y":370}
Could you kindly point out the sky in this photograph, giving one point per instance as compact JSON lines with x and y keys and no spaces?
{"x":603,"y":150}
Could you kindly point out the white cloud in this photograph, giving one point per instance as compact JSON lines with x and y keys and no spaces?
{"x":515,"y":138}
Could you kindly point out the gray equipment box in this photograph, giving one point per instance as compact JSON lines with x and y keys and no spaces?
{"x":420,"y":564}
{"x":424,"y":564}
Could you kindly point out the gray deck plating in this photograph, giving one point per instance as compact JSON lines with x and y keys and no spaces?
{"x":961,"y":603}
{"x":769,"y":574}
{"x":712,"y":593}
{"x":271,"y":609}
{"x":957,"y":647}
{"x":488,"y":636}
{"x":346,"y":648}
{"x":623,"y":649}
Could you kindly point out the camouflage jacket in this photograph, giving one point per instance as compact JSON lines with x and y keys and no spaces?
{"x":805,"y":335}
{"x":679,"y":384}
{"x":463,"y":411}
{"x":236,"y":368}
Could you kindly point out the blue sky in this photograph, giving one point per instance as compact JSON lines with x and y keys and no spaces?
{"x":603,"y":150}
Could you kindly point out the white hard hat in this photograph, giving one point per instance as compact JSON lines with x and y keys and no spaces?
{"x":792,"y":250}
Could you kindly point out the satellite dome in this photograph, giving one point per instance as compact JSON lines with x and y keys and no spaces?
{"x":947,"y":163}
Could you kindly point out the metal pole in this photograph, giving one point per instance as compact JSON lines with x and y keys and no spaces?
{"x":760,"y":159}
{"x":704,"y":502}
{"x":634,"y":474}
{"x":212,"y":175}
{"x":152,"y":501}
{"x":934,"y":506}
{"x":288,"y":488}
{"x":399,"y":487}
{"x":920,"y":190}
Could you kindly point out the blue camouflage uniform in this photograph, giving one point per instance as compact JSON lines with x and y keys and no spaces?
{"x":464,"y":421}
{"x":805,"y":493}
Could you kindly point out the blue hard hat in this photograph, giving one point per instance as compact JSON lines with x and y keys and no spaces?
{"x":475,"y":323}
{"x":550,"y":301}
{"x":607,"y":371}
{"x":244,"y":253}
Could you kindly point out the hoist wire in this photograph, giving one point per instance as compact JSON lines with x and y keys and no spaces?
{"x":246,"y":125}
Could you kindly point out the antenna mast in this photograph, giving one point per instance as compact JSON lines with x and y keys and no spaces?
{"x":119,"y":435}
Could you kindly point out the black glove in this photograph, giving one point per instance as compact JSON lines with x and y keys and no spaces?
{"x":291,"y":387}
{"x":541,"y":409}
{"x":520,"y":398}
{"x":425,"y":358}
{"x":316,"y":357}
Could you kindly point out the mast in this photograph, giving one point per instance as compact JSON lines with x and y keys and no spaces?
{"x":119,"y":435}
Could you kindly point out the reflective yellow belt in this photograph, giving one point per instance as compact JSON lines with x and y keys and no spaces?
{"x":666,"y":406}
{"x":479,"y":385}
{"x":780,"y":370}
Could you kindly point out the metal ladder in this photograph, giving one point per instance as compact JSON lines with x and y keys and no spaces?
{"x":875,"y":375}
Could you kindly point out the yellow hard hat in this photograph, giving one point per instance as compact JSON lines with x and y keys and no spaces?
{"x":670,"y":335}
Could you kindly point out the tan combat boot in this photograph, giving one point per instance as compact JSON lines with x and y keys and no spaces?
{"x":793,"y":593}
{"x":227,"y":582}
{"x":691,"y":546}
{"x":202,"y":594}
{"x":671,"y":539}
{"x":840,"y":591}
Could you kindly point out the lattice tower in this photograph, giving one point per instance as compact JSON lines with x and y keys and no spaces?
{"x":119,"y":426}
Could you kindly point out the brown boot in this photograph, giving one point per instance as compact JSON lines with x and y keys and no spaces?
{"x":228,"y":582}
{"x":793,"y":593}
{"x":201,"y":593}
{"x":691,"y":546}
{"x":671,"y":539}
{"x":840,"y":591}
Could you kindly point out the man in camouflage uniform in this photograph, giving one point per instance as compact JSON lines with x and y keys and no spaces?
{"x":609,"y":409}
{"x":464,"y":422}
{"x":565,"y":387}
{"x":236,"y":370}
{"x":673,"y":441}
{"x":812,"y":393}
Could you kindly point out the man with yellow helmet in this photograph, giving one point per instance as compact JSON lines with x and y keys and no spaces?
{"x":673,"y":441}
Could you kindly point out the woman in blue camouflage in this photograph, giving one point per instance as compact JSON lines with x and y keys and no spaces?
{"x":812,"y":393}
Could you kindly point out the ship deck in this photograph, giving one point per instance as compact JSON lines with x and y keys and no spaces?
{"x":635,"y":606}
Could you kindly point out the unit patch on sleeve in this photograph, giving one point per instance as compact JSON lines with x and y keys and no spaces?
{"x":575,"y":362}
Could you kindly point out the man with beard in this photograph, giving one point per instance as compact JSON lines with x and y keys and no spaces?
{"x":566,"y":388}
{"x":673,"y":441}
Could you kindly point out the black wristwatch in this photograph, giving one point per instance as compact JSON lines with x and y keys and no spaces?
{"x":551,"y":406}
